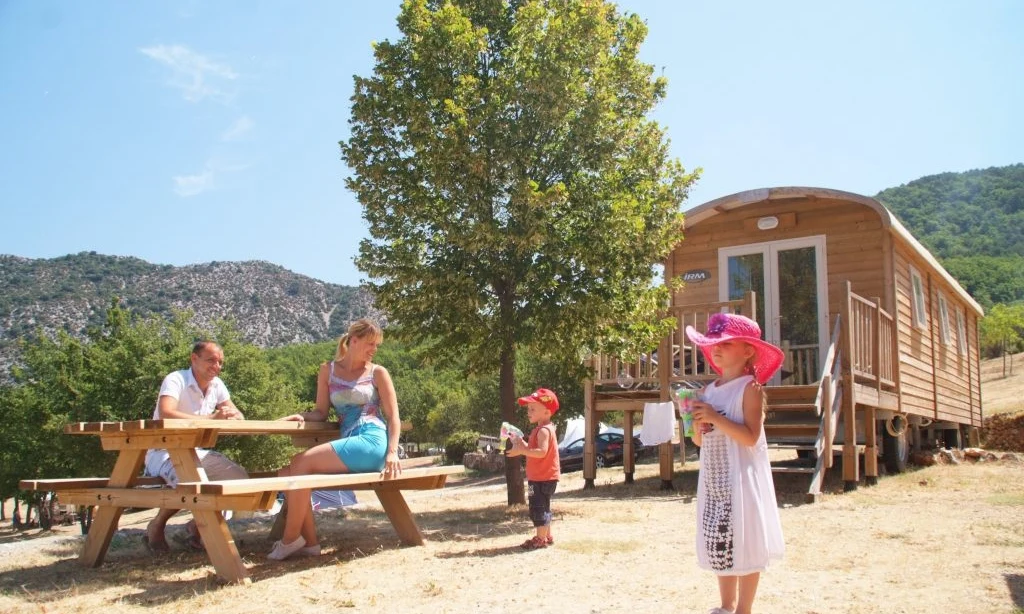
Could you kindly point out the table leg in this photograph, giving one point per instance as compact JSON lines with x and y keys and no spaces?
{"x":277,"y":530}
{"x":186,"y":465}
{"x":217,"y":538}
{"x":220,"y":546}
{"x":401,"y":516}
{"x":104,"y":524}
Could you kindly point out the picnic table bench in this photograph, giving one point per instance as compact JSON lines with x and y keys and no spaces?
{"x":126,"y":488}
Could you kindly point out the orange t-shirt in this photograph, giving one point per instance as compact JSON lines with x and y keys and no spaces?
{"x":547,"y":467}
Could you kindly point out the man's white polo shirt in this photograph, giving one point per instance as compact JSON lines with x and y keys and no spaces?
{"x":182,"y":385}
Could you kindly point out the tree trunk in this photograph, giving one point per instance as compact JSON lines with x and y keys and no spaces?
{"x":507,"y":392}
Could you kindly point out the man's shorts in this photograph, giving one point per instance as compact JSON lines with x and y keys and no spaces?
{"x":216,"y":465}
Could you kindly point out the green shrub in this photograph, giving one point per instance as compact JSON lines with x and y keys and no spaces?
{"x":458,"y":444}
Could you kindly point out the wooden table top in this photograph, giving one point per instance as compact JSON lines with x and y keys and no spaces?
{"x":227,"y":427}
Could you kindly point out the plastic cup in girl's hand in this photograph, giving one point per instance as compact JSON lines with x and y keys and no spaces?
{"x":686,"y":398}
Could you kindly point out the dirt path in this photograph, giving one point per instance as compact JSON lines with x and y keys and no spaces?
{"x":941,"y":539}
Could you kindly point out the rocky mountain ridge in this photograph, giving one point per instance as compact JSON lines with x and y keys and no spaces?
{"x":270,"y":305}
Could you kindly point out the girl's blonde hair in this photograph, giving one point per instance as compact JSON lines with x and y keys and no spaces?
{"x":751,"y":370}
{"x":360,"y":329}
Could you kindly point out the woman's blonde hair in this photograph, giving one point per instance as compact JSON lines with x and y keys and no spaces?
{"x":360,"y":329}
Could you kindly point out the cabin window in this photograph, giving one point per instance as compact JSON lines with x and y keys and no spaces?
{"x":944,"y":320}
{"x":961,"y":333}
{"x":917,"y":286}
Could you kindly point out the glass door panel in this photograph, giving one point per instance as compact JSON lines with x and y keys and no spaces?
{"x":746,"y":273}
{"x":798,"y":314}
{"x":789,"y":279}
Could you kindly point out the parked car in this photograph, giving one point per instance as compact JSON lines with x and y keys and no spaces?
{"x":610,"y":448}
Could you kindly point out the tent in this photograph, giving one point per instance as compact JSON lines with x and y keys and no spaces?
{"x":331,"y":499}
{"x":575,"y":429}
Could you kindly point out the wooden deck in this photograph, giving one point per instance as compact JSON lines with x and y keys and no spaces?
{"x":817,"y":415}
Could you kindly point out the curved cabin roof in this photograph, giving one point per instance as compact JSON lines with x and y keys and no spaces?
{"x":899,"y":232}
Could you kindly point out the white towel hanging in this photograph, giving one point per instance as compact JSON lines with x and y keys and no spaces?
{"x":659,"y":423}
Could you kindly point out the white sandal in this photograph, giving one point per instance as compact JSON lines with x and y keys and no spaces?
{"x":282,"y":550}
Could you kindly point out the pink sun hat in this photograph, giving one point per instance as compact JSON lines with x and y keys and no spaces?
{"x":733,"y":327}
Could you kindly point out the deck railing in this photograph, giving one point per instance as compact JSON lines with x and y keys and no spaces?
{"x":872,"y":333}
{"x":688,"y":364}
{"x":800,"y":363}
{"x":828,"y":403}
{"x":871,"y":355}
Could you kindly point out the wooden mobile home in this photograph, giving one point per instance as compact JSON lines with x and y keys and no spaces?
{"x":881,"y":343}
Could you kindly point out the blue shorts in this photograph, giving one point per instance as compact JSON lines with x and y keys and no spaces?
{"x":363,"y":451}
{"x":540,"y":501}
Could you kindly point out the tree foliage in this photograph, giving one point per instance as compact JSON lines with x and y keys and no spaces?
{"x":974,"y":223}
{"x":114,"y":374}
{"x":299,"y":364}
{"x":516,"y":192}
{"x":989,"y":279}
{"x":1002,"y":331}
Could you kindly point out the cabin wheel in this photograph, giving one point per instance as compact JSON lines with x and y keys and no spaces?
{"x":601,"y":463}
{"x":895,"y":450}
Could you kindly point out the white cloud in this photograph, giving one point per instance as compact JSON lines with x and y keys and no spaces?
{"x":187,"y":186}
{"x":197,"y":76}
{"x":237,"y":130}
{"x":193,"y":185}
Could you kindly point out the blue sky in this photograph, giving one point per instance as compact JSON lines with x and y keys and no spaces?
{"x":187,"y":131}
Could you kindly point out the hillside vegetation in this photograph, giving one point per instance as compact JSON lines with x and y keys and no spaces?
{"x":269,"y":305}
{"x":973,"y":222}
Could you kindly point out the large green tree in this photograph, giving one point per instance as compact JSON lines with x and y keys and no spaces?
{"x":517,"y":193}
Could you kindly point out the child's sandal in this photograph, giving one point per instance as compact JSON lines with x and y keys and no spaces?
{"x":534,"y":543}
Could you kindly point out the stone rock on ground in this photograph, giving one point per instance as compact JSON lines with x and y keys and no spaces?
{"x":946,"y":456}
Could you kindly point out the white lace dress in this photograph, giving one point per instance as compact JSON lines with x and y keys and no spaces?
{"x":738,"y":528}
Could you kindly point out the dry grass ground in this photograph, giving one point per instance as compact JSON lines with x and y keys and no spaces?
{"x":939,"y":539}
{"x":1002,"y":394}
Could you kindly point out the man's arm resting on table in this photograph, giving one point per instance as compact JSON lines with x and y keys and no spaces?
{"x":226,"y":410}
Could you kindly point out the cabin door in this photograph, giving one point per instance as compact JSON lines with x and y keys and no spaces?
{"x":792,"y":303}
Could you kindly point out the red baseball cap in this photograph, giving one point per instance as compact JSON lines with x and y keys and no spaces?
{"x":543,"y":396}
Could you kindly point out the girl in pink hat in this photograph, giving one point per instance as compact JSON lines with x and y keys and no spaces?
{"x":738,"y":528}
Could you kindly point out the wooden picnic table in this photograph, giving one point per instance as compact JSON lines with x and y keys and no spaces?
{"x":207,"y":499}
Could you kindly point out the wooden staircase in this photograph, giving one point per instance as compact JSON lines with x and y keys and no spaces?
{"x":805,"y":419}
{"x":792,"y":423}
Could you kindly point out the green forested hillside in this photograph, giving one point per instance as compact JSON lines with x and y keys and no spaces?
{"x":973,"y":222}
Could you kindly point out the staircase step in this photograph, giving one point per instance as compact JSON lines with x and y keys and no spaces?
{"x":791,"y":429}
{"x":791,"y":393}
{"x":790,"y":446}
{"x":788,"y":407}
{"x":792,"y":469}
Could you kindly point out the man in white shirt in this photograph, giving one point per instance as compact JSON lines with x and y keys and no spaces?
{"x":190,"y":393}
